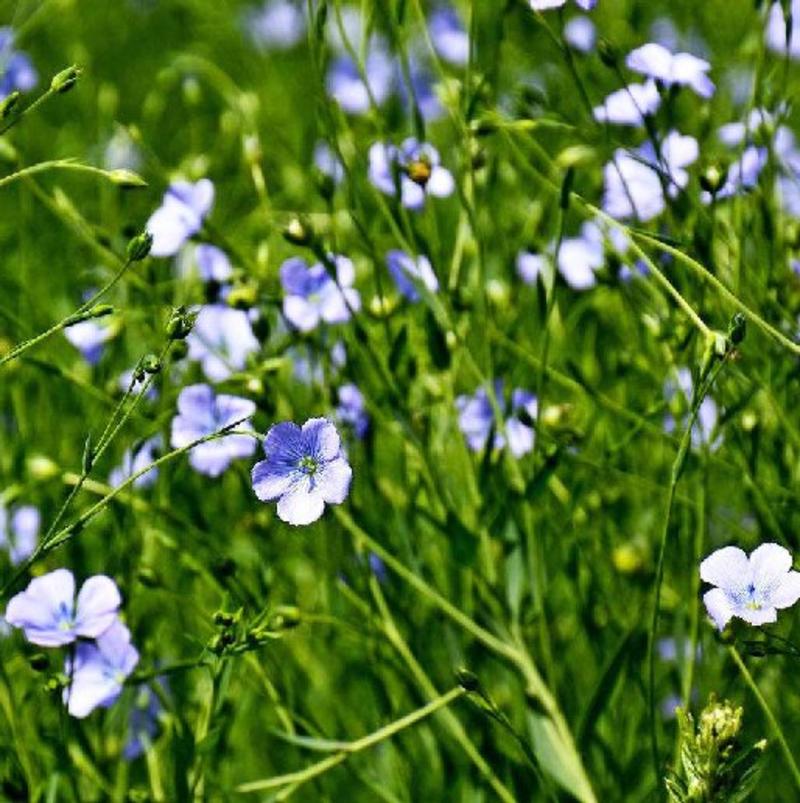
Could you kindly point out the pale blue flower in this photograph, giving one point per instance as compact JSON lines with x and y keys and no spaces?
{"x":629,"y":105}
{"x":19,"y":531}
{"x":134,"y":460}
{"x":200,"y":413}
{"x":705,"y":425}
{"x":143,"y":724}
{"x":530,"y":266}
{"x":17,"y":73}
{"x":276,"y":24}
{"x":221,"y":340}
{"x":752,"y":589}
{"x":476,"y":419}
{"x":213,"y":264}
{"x":414,"y":169}
{"x":776,"y":30}
{"x":312,"y":296}
{"x":305,"y":469}
{"x":544,"y":5}
{"x":180,"y":216}
{"x":347,"y":87}
{"x":328,"y":163}
{"x":352,"y":410}
{"x":90,"y":337}
{"x":679,"y":69}
{"x":580,"y":33}
{"x":408,"y":273}
{"x":51,"y":616}
{"x":449,"y":36}
{"x":98,"y":671}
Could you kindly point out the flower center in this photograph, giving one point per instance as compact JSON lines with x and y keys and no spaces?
{"x":752,"y":604}
{"x":65,"y":620}
{"x":308,"y":465}
{"x":419,"y":172}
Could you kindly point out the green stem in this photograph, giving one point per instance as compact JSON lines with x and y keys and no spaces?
{"x":295,"y":779}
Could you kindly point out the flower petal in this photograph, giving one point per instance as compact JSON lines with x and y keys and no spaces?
{"x":718,"y":606}
{"x":96,"y":609}
{"x":333,"y":481}
{"x":271,"y":481}
{"x":301,"y":505}
{"x":727,"y":568}
{"x":321,"y":439}
{"x":39,"y":609}
{"x":788,"y":591}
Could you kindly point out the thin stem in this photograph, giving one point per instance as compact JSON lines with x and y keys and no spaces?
{"x":787,"y":753}
{"x":57,"y":164}
{"x":295,"y":779}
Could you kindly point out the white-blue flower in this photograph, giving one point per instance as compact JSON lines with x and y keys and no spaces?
{"x":752,"y":589}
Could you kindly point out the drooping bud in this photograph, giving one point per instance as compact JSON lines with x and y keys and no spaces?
{"x":66,"y":79}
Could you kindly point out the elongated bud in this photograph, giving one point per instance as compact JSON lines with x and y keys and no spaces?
{"x":139,"y":246}
{"x":180,"y":323}
{"x":468,"y":680}
{"x":88,"y":455}
{"x":126,"y":179}
{"x":66,"y":79}
{"x":151,"y":364}
{"x":98,"y":311}
{"x":9,"y":104}
{"x":286,"y":617}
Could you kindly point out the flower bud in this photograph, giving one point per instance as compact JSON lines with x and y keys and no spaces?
{"x":8,"y":104}
{"x":42,"y":468}
{"x":712,"y":179}
{"x":65,"y":80}
{"x":151,"y":364}
{"x":180,"y":349}
{"x":139,"y":246}
{"x":180,"y":323}
{"x":299,"y":232}
{"x":467,"y":680}
{"x":126,"y":179}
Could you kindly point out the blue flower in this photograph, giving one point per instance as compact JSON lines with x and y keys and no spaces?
{"x":143,"y":725}
{"x":629,"y":105}
{"x":312,"y":296}
{"x":212,"y":263}
{"x":98,"y":671}
{"x":449,"y":36}
{"x":414,"y":168}
{"x":304,"y":470}
{"x":347,"y":87}
{"x":476,"y":419}
{"x":352,"y":410}
{"x":221,"y":340}
{"x":51,"y":616}
{"x":19,"y":531}
{"x":408,"y":273}
{"x":180,"y":216}
{"x":309,"y":367}
{"x":89,"y":337}
{"x":328,"y":163}
{"x":544,"y":5}
{"x":752,"y":589}
{"x":133,"y":461}
{"x":201,"y":412}
{"x":679,"y":69}
{"x":703,"y":431}
{"x":18,"y":74}
{"x":580,"y":34}
{"x":777,"y":29}
{"x":276,"y":24}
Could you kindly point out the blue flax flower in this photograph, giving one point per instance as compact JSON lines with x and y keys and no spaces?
{"x":347,"y":87}
{"x":304,"y":470}
{"x":352,"y":410}
{"x":449,"y":36}
{"x":629,"y":105}
{"x":19,"y":531}
{"x":414,"y":168}
{"x":201,"y":412}
{"x":276,"y":24}
{"x":221,"y":340}
{"x":16,"y":71}
{"x":99,"y":670}
{"x":180,"y":216}
{"x":90,"y":337}
{"x":476,"y":419}
{"x":143,"y":725}
{"x":752,"y":589}
{"x":409,"y":272}
{"x":544,"y":5}
{"x":51,"y":616}
{"x":777,"y":29}
{"x":212,"y":263}
{"x":312,"y":295}
{"x":679,"y":69}
{"x":134,"y":460}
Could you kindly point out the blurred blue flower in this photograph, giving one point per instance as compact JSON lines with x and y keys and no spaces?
{"x":634,"y":182}
{"x":414,"y":167}
{"x":352,"y":410}
{"x":201,"y":412}
{"x":17,"y":73}
{"x":143,"y":725}
{"x":50,"y":615}
{"x":121,"y":152}
{"x":308,"y":366}
{"x":752,"y":589}
{"x":89,"y":337}
{"x":678,"y":69}
{"x":422,"y":83}
{"x":579,"y":257}
{"x":476,"y":419}
{"x":408,"y":272}
{"x":377,"y":567}
{"x":304,"y":470}
{"x":221,"y":340}
{"x":98,"y":670}
{"x":212,"y":263}
{"x":777,"y":29}
{"x":703,"y":431}
{"x":312,"y":296}
{"x":449,"y":36}
{"x":134,"y":460}
{"x":180,"y":216}
{"x":743,"y":173}
{"x":629,"y":105}
{"x":276,"y":24}
{"x":544,"y":5}
{"x":19,"y":531}
{"x":328,"y":162}
{"x":347,"y":87}
{"x":530,"y":266}
{"x":580,"y":34}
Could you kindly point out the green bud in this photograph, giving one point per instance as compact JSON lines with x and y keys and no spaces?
{"x":8,"y":104}
{"x":151,"y":364}
{"x":299,"y":232}
{"x":713,"y":178}
{"x":180,"y":323}
{"x":737,"y":329}
{"x":126,"y":179}
{"x":139,"y":246}
{"x":224,"y":619}
{"x":65,"y":80}
{"x":468,"y":680}
{"x":180,"y":350}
